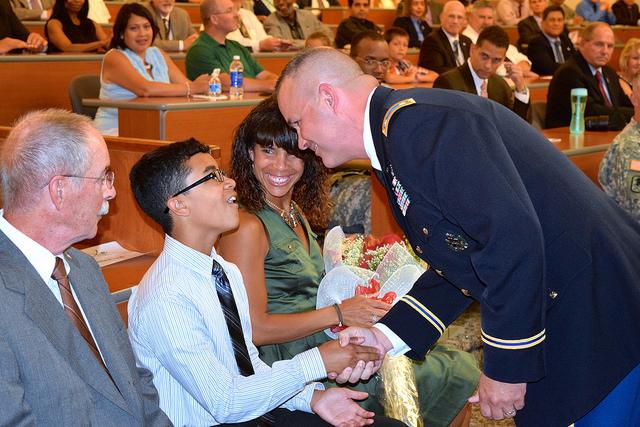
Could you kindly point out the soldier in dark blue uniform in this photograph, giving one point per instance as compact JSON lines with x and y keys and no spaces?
{"x":503,"y":218}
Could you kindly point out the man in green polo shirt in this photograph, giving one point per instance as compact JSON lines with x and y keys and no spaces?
{"x":212,"y":50}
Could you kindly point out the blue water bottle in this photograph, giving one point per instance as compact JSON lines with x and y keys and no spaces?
{"x":578,"y":103}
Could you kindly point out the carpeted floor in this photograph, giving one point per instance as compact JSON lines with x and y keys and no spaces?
{"x":464,"y":334}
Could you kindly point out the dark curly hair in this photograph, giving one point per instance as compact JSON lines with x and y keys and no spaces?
{"x":265,"y":126}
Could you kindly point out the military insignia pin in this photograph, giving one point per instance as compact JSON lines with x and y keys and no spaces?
{"x":456,"y":242}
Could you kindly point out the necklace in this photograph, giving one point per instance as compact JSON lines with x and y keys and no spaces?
{"x":290,"y":218}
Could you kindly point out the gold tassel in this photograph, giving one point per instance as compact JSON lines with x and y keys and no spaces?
{"x":400,"y":397}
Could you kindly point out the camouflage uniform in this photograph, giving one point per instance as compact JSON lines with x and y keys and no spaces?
{"x":620,"y":169}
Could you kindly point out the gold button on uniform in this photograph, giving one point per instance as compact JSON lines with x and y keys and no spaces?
{"x":425,"y":231}
{"x":553,"y":294}
{"x":465,"y":292}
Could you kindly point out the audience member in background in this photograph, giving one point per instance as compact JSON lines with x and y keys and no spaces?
{"x":478,"y":75}
{"x":70,"y":30}
{"x":14,"y":35}
{"x":371,"y":51}
{"x":510,"y":12}
{"x":355,"y":24}
{"x":531,"y":25}
{"x":212,"y":49}
{"x":619,"y":173}
{"x":318,"y":39}
{"x":263,"y":8}
{"x":317,"y":4}
{"x":133,"y":67}
{"x":480,"y":16}
{"x":98,"y":12}
{"x":294,"y":25}
{"x":629,"y":63}
{"x":596,"y":10}
{"x":189,"y":318}
{"x":446,"y":48}
{"x":282,"y":265}
{"x":552,"y":48}
{"x":32,"y":10}
{"x":570,"y":16}
{"x":588,"y":69}
{"x":175,"y":31}
{"x":65,"y":357}
{"x":414,"y":21}
{"x":400,"y":69}
{"x":626,"y":12}
{"x":251,"y":33}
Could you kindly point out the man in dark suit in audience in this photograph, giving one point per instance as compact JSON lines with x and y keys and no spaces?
{"x":530,"y":26}
{"x":478,"y":75}
{"x":176,"y":33}
{"x":14,"y":35}
{"x":65,"y":357}
{"x":588,"y":69}
{"x":371,"y":51}
{"x":446,"y":48}
{"x":356,"y":23}
{"x":549,"y":50}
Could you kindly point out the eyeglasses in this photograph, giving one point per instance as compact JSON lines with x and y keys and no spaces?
{"x":217,"y":174}
{"x":371,"y":62}
{"x":108,"y":178}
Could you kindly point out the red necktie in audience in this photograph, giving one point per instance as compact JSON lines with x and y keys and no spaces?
{"x":603,"y":91}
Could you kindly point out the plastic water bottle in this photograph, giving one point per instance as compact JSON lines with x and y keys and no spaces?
{"x":236,"y":74}
{"x":578,"y":103}
{"x":215,"y":87}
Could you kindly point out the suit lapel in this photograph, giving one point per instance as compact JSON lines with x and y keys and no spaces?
{"x":105,"y":331}
{"x":467,"y":79}
{"x":591,"y":79}
{"x":444,"y":41}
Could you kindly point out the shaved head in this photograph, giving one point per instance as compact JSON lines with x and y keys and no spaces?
{"x":326,"y":104}
{"x":308,"y":69}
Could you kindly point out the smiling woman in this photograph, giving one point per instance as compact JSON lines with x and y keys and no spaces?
{"x":134,"y":68}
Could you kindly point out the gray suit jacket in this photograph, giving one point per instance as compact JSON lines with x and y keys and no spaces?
{"x":48,"y":375}
{"x":180,"y":25}
{"x":276,"y":26}
{"x":24,"y":13}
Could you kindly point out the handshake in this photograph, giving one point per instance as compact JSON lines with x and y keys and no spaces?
{"x":356,"y":355}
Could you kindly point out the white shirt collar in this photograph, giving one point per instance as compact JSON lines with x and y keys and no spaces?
{"x":477,"y":81}
{"x":471,"y":33}
{"x":191,"y":258}
{"x":40,"y":258}
{"x":450,"y":37}
{"x":367,"y":136}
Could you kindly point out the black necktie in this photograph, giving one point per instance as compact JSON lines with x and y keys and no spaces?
{"x":232,"y":318}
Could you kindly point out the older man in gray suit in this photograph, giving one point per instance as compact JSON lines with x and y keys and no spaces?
{"x":65,"y":358}
{"x":176,"y":33}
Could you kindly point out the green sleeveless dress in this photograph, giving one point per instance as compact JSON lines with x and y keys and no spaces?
{"x":445,"y":379}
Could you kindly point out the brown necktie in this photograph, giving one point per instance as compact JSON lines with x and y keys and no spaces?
{"x":73,"y":311}
{"x":243,"y":30}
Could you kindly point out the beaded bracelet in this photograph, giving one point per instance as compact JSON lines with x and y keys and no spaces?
{"x":340,"y":319}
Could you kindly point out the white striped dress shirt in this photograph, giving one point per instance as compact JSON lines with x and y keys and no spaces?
{"x":178,"y":332}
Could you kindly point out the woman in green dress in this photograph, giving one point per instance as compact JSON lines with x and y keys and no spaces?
{"x":283,"y":194}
